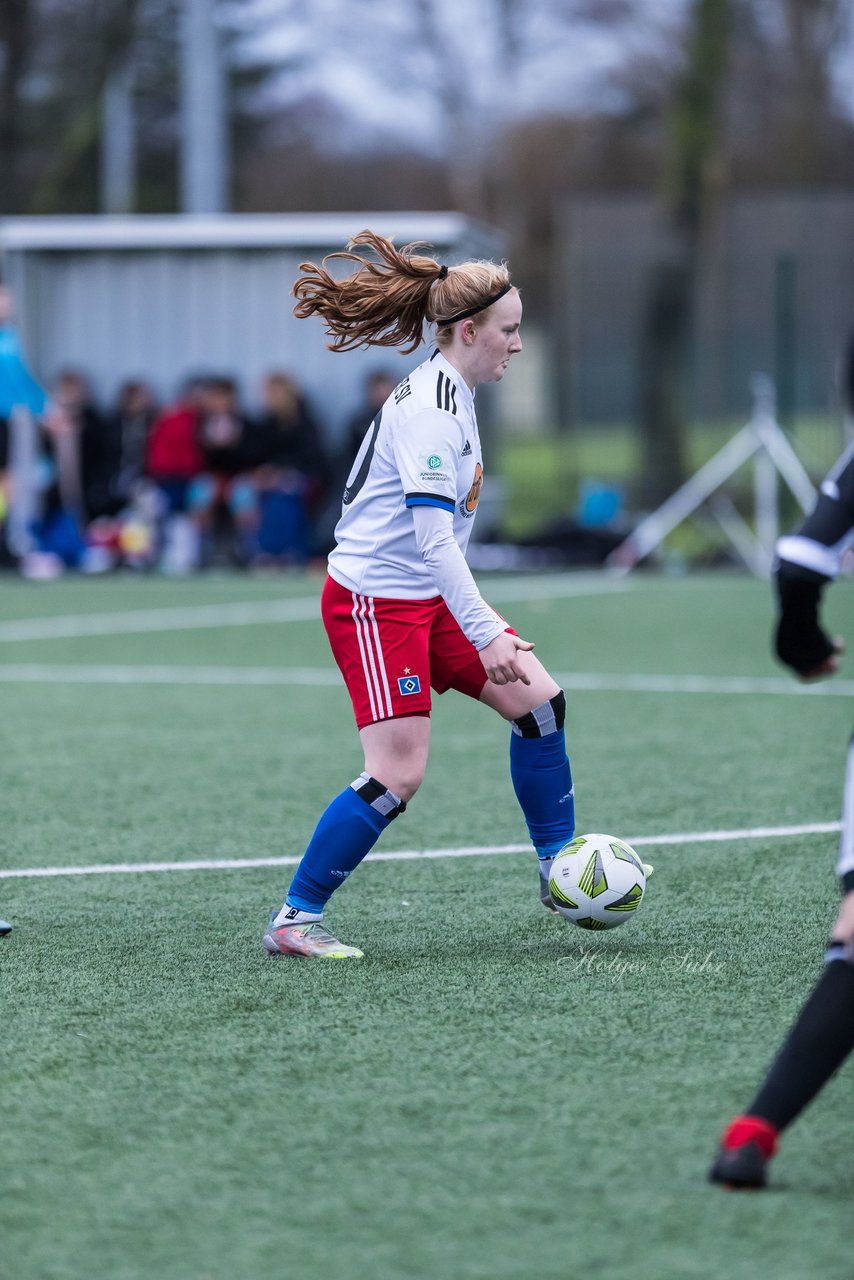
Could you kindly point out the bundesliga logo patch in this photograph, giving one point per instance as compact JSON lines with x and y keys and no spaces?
{"x":408,"y":684}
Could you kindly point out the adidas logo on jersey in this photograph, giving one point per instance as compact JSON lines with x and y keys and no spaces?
{"x":466,"y":453}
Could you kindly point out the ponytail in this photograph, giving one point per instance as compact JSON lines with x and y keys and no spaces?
{"x":386,"y":303}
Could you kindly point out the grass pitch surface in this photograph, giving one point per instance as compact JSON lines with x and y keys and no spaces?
{"x":491,"y":1093}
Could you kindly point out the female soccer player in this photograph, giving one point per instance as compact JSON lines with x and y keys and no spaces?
{"x":401,"y":609}
{"x":822,"y":1036}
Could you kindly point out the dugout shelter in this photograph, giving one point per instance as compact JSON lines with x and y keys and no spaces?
{"x":163,"y":297}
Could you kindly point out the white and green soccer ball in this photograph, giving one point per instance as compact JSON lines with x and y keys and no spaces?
{"x":597,"y":881}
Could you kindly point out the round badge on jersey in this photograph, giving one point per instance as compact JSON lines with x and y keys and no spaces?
{"x":473,"y":496}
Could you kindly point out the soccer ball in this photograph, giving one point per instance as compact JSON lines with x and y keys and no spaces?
{"x":597,"y":881}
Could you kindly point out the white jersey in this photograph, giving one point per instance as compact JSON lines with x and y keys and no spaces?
{"x":421,"y":451}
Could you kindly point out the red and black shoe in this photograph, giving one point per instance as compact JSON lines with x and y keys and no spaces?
{"x":742,"y":1160}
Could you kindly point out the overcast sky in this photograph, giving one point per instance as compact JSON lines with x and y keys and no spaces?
{"x":366,"y":57}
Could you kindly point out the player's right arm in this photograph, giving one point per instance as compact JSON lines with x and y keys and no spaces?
{"x":497,"y":647}
{"x":807,"y":561}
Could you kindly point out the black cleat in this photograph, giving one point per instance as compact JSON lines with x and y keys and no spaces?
{"x":740,"y":1168}
{"x":5,"y":928}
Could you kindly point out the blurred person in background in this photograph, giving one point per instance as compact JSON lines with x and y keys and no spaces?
{"x":174,"y":459}
{"x":17,"y":384}
{"x":94,"y":460}
{"x":128,"y":428}
{"x":222,"y":498}
{"x":22,"y":401}
{"x":125,"y":526}
{"x":293,"y":475}
{"x":73,"y":478}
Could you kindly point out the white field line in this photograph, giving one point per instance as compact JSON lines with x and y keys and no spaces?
{"x":304,"y":609}
{"x":138,"y":621}
{"x":408,"y":855}
{"x":50,"y":673}
{"x":100,"y":673}
{"x":619,"y":683}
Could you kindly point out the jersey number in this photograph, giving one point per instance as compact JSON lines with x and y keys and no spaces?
{"x":363,"y":460}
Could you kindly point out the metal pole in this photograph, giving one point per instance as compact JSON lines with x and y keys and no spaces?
{"x":684,"y":502}
{"x":764,"y":470}
{"x":204,"y":150}
{"x":118,"y":141}
{"x":762,"y":436}
{"x":773,"y":440}
{"x":785,"y":329}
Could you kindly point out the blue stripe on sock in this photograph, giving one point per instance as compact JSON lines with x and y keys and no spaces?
{"x":542,"y":780}
{"x":347,"y":830}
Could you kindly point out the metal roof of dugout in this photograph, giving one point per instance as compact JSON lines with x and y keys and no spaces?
{"x":165,"y":297}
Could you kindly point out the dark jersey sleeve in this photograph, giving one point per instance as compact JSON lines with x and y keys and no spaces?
{"x":806,"y":561}
{"x":817,"y":547}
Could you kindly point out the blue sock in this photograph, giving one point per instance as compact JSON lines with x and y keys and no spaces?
{"x":539,"y":769}
{"x":348,"y":829}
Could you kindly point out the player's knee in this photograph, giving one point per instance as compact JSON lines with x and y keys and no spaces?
{"x":402,"y":771}
{"x":407,"y":778}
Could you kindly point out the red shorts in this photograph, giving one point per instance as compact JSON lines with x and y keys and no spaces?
{"x":392,"y":652}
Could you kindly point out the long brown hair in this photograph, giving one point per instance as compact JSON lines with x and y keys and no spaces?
{"x":386,"y":303}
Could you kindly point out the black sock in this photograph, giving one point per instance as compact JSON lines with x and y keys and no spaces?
{"x":818,"y":1043}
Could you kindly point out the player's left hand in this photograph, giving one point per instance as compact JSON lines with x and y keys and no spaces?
{"x":829,"y":666}
{"x":500,"y":659}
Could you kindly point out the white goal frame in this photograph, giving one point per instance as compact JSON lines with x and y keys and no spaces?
{"x":763,"y":440}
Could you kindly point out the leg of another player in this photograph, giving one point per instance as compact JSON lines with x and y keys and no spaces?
{"x":815,"y":1048}
{"x":395,"y":760}
{"x":539,"y":765}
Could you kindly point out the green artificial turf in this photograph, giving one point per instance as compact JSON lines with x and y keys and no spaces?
{"x":491,"y":1093}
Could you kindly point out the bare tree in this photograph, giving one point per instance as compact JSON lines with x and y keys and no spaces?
{"x":667,"y":322}
{"x":56,"y":59}
{"x":85,"y":42}
{"x":15,"y":54}
{"x":755,"y":103}
{"x":786,"y":121}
